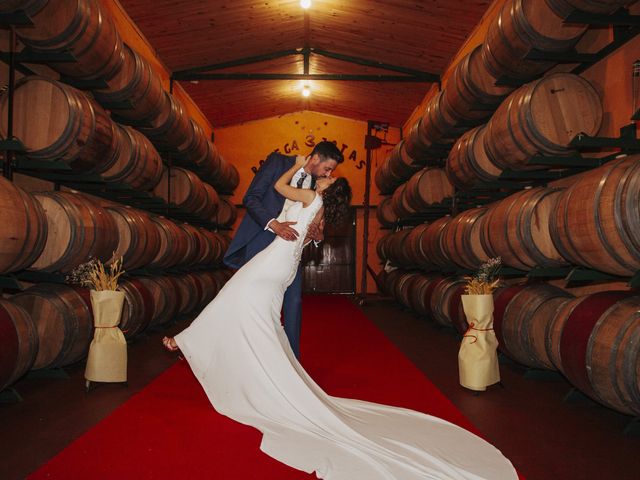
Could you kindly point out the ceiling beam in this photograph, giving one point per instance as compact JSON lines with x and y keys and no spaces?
{"x":374,"y":63}
{"x":203,"y":72}
{"x":238,"y":62}
{"x":302,"y":76}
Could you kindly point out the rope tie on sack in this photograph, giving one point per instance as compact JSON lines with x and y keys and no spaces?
{"x":475,"y":337}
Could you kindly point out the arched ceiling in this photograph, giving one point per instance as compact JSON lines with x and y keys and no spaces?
{"x":417,"y":35}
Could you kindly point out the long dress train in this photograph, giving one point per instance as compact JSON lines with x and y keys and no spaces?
{"x":239,"y":352}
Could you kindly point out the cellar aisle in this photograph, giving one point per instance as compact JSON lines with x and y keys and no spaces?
{"x":545,"y":437}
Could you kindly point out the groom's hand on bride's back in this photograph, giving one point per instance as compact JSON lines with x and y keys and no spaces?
{"x":316,"y":231}
{"x":283,"y":229}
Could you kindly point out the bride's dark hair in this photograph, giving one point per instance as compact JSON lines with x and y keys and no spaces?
{"x":336,"y":199}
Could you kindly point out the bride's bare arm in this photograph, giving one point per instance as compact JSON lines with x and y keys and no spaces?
{"x":282,"y":186}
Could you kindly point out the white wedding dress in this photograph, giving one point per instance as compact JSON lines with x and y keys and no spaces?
{"x":240,"y":354}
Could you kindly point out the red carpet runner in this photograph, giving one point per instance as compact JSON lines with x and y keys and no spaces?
{"x":170,"y":430}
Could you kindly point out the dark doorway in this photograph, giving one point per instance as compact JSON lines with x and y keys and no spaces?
{"x":331,"y":267}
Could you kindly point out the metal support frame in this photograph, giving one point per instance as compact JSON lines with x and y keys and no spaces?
{"x":9,"y":158}
{"x":204,"y":72}
{"x":369,"y":146}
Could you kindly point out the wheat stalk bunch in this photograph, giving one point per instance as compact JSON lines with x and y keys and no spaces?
{"x":486,"y":280}
{"x":95,"y":275}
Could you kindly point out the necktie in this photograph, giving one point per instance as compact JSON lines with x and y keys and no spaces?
{"x":303,"y":175}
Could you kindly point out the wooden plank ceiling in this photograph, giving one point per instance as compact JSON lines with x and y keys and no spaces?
{"x":419,"y":34}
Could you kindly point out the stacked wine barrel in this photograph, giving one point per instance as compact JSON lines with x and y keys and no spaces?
{"x":134,"y":93}
{"x":471,"y":95}
{"x":51,"y":325}
{"x":541,"y":117}
{"x":56,"y":231}
{"x":592,"y":223}
{"x":118,"y":131}
{"x":74,"y":129}
{"x":592,"y":340}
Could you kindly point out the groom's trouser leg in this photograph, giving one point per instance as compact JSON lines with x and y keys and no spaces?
{"x":292,"y":312}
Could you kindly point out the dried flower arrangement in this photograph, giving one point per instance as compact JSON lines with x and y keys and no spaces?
{"x":485,"y":280}
{"x":94,"y":275}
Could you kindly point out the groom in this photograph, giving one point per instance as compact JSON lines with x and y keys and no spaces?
{"x":260,"y":225}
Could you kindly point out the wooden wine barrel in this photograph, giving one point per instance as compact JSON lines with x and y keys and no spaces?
{"x":525,"y":322}
{"x":30,"y":7}
{"x":438,"y":121}
{"x":613,"y":357}
{"x":517,"y":229}
{"x":137,"y":83}
{"x":501,"y":298}
{"x":409,"y":252}
{"x":187,"y":190}
{"x":226,"y":179}
{"x":211,"y":283}
{"x":400,"y":203}
{"x":461,"y":239}
{"x":210,"y":247}
{"x":196,"y":147}
{"x":431,"y":244}
{"x":159,"y":300}
{"x":426,"y":293}
{"x":138,"y":237}
{"x":416,"y":144}
{"x":389,"y":279}
{"x":382,"y":178}
{"x":397,"y":168}
{"x":415,"y":296}
{"x":398,"y":252}
{"x":594,"y":337}
{"x":227,"y":213}
{"x":471,"y":90}
{"x":209,"y":207}
{"x":211,"y":164}
{"x":70,"y":127}
{"x":468,"y":162}
{"x":405,"y":288}
{"x":396,"y":282}
{"x":189,"y":294}
{"x":194,"y":244}
{"x":173,"y":246}
{"x":523,"y":25}
{"x":24,"y":228}
{"x":596,"y":222}
{"x":63,"y":322}
{"x":603,"y":7}
{"x":164,"y":299}
{"x":78,"y":229}
{"x":136,"y":161}
{"x":172,"y":127}
{"x":382,"y":248}
{"x":542,"y":117}
{"x":138,"y":309}
{"x":427,"y":187}
{"x":19,"y":340}
{"x":385,"y":214}
{"x":446,"y":304}
{"x":81,"y":27}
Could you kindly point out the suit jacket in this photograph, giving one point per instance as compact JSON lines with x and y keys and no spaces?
{"x":263,"y":203}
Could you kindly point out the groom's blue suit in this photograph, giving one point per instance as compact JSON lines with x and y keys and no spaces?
{"x":263,"y":203}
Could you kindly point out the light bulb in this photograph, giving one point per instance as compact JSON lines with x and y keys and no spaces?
{"x":305,"y":3}
{"x":306,"y":91}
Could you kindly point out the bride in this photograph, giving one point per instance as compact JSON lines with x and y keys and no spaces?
{"x":239,"y":352}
